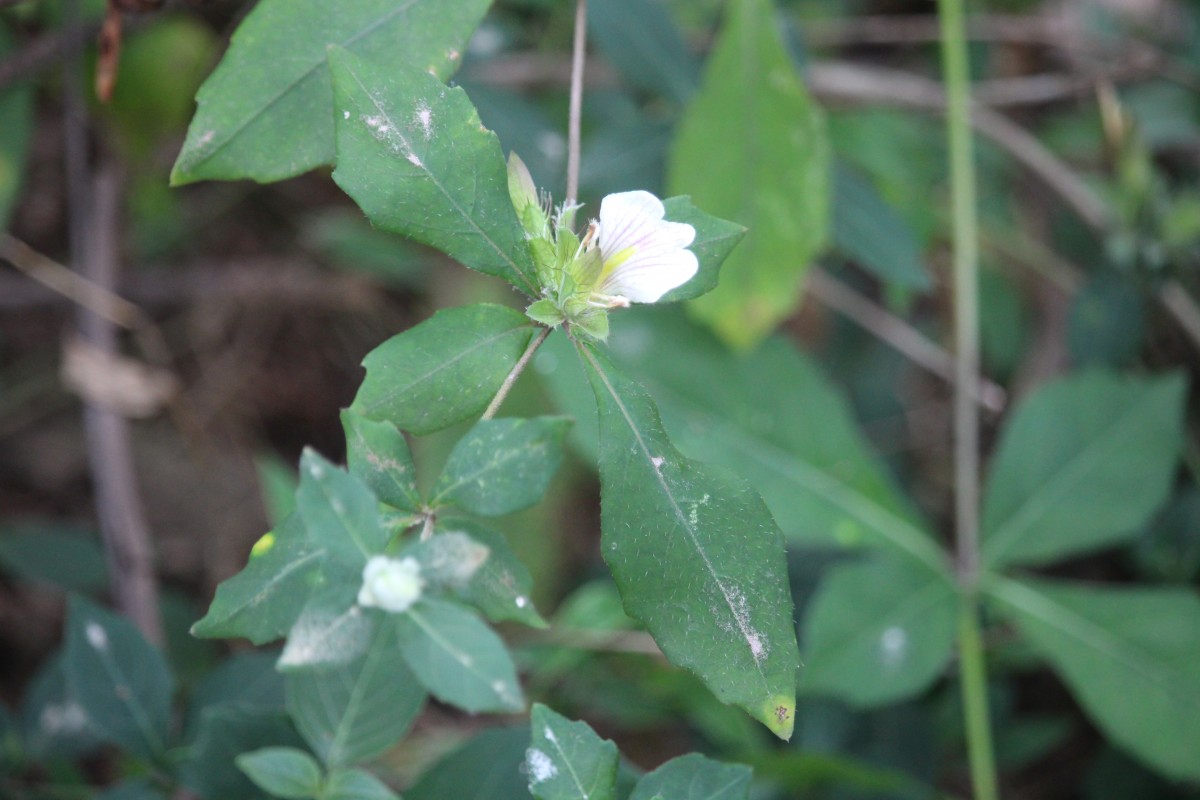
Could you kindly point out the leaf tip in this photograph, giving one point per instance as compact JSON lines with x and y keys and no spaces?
{"x":778,"y":713}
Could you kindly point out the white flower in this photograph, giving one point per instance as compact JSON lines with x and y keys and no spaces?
{"x":643,"y":255}
{"x":392,"y":584}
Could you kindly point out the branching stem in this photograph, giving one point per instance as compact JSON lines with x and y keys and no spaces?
{"x":515,"y":373}
{"x":575,"y":119}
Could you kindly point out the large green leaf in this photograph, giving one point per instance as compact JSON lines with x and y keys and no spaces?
{"x":694,"y":777}
{"x":353,"y":713}
{"x":262,"y":601}
{"x":458,"y":658}
{"x":752,"y":148}
{"x":770,"y":415}
{"x":878,"y":632}
{"x":339,"y":511}
{"x":1129,"y":655}
{"x":444,"y":370}
{"x":16,"y":129}
{"x":695,"y":554}
{"x":566,"y":760}
{"x":415,"y":157}
{"x":377,"y":454}
{"x":1082,"y":464}
{"x":266,"y":111}
{"x":502,"y":465}
{"x":119,"y":679}
{"x":870,"y":231}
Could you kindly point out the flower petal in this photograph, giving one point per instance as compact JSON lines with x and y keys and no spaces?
{"x":644,"y":255}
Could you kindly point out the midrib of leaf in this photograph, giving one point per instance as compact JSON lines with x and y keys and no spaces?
{"x":1083,"y":630}
{"x":339,"y":510}
{"x":462,"y":212}
{"x":682,"y":518}
{"x":567,"y":763}
{"x":118,"y":679}
{"x":321,"y":636}
{"x":916,"y":600}
{"x":894,"y":528}
{"x":464,"y":660}
{"x":1013,"y":529}
{"x":303,"y":76}
{"x":357,"y":694}
{"x":274,"y":581}
{"x":718,"y":792}
{"x":387,"y":398}
{"x":466,"y":478}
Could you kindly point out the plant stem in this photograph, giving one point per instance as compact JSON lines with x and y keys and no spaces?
{"x":575,"y":118}
{"x":515,"y":373}
{"x":966,"y":414}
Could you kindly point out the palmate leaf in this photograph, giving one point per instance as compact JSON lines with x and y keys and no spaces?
{"x":696,"y":555}
{"x":413,"y":154}
{"x":265,"y":112}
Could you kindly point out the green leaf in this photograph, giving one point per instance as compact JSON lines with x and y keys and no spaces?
{"x":868,"y":230}
{"x":500,"y":587}
{"x":339,"y":511}
{"x":266,"y":111}
{"x":246,"y":680}
{"x":1082,"y":464}
{"x":282,"y":771}
{"x":642,"y":41}
{"x":119,"y":679}
{"x":815,"y":469}
{"x":458,"y":658}
{"x":502,"y":465}
{"x":694,"y":777}
{"x":415,"y":157}
{"x":352,"y":713}
{"x":378,"y":455}
{"x":1129,"y":655}
{"x":444,"y":370}
{"x":53,"y":723}
{"x":486,"y":767}
{"x":262,"y":602}
{"x":331,"y":629}
{"x":356,"y":784}
{"x":878,"y":632}
{"x":715,"y":240}
{"x":752,"y":103}
{"x":16,"y":132}
{"x":60,"y":555}
{"x":224,"y":734}
{"x":567,"y":761}
{"x":696,"y":555}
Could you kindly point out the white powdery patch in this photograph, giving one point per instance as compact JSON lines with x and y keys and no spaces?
{"x":521,"y":601}
{"x":325,"y":638}
{"x":759,"y":645}
{"x":657,"y":461}
{"x":425,"y":120}
{"x":65,"y":718}
{"x":549,"y":734}
{"x":541,"y":768}
{"x":453,"y":558}
{"x":96,"y":636}
{"x":893,"y":645}
{"x":345,"y":115}
{"x":415,"y":160}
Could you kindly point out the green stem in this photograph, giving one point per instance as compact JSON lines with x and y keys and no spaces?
{"x":973,"y":674}
{"x":965,"y":226}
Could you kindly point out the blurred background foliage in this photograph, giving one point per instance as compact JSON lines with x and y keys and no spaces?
{"x":268,"y":296}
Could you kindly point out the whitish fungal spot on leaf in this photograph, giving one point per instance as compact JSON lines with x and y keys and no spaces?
{"x":96,"y":636}
{"x":425,"y":120}
{"x":893,"y":644}
{"x":549,"y":734}
{"x":521,"y":601}
{"x":541,"y":768}
{"x":759,"y":645}
{"x":414,"y":160}
{"x":345,"y":115}
{"x":64,"y":718}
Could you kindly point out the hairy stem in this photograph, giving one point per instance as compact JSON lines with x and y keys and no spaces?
{"x":515,"y":373}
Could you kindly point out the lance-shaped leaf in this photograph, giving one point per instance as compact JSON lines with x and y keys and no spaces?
{"x":353,"y":713}
{"x":119,"y":679}
{"x":458,"y":658}
{"x":751,"y":103}
{"x":878,"y":631}
{"x":502,"y":465}
{"x":1082,"y":464}
{"x":694,"y":777}
{"x":566,"y":760}
{"x":413,"y":154}
{"x":444,"y":370}
{"x":266,"y":111}
{"x":378,"y":455}
{"x":262,"y":601}
{"x":695,"y":554}
{"x":339,"y":511}
{"x":1129,"y":655}
{"x":715,"y":240}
